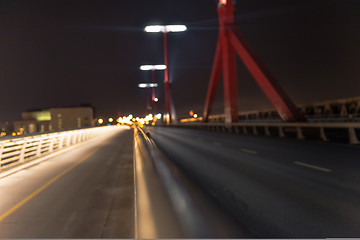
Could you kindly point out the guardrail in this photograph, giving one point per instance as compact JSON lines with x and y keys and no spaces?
{"x":167,"y":205}
{"x":18,"y":150}
{"x":280,"y":128}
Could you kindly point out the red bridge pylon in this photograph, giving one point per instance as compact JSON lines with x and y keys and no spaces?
{"x":232,"y":42}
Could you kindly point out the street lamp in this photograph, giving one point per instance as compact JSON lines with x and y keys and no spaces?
{"x":153,"y":68}
{"x":148,"y":86}
{"x":170,"y":115}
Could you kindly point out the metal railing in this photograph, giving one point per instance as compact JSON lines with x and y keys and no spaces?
{"x":298,"y":128}
{"x":167,"y":205}
{"x":18,"y":150}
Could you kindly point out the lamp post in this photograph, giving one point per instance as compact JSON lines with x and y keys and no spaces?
{"x":153,"y":68}
{"x":170,"y":115}
{"x":147,"y":86}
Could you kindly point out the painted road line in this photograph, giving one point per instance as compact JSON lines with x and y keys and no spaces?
{"x":248,"y":151}
{"x":313,"y":167}
{"x":39,"y":190}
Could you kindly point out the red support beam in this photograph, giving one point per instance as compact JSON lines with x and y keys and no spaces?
{"x":230,"y":81}
{"x":270,"y":87}
{"x":214,"y":82}
{"x":170,"y":115}
{"x":153,"y":92}
{"x":230,"y":42}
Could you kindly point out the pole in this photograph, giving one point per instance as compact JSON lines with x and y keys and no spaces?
{"x":148,"y":107}
{"x":153,"y":93}
{"x":170,"y":115}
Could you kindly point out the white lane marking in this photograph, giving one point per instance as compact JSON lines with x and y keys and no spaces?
{"x":217,"y":143}
{"x":248,"y":151}
{"x":313,"y":166}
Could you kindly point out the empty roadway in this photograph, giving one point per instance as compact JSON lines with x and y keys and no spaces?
{"x":275,"y":187}
{"x":84,"y":193}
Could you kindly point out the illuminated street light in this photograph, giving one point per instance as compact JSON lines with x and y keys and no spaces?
{"x":111,"y":119}
{"x":148,"y":85}
{"x":100,"y":121}
{"x":170,"y":115}
{"x":152,"y":67}
{"x":165,"y":28}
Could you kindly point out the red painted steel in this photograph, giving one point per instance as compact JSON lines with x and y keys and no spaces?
{"x":270,"y":87}
{"x":230,"y":42}
{"x":214,"y":82}
{"x":153,"y":92}
{"x":169,"y":115}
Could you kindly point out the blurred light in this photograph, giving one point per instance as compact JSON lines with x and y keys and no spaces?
{"x":152,"y":67}
{"x":130,"y":116}
{"x":223,"y":2}
{"x":156,"y":99}
{"x":195,"y":115}
{"x":147,"y":85}
{"x":176,"y":28}
{"x":100,"y":121}
{"x":158,"y":116}
{"x":167,"y":28}
{"x":111,"y":119}
{"x":191,"y":113}
{"x":154,"y":28}
{"x":14,"y":134}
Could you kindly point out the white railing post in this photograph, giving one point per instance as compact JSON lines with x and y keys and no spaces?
{"x":38,"y":151}
{"x":323,"y":135}
{"x":75,"y":137}
{"x":61,"y":142}
{"x":255,"y":132}
{"x":352,"y":136}
{"x":51,"y":144}
{"x":68,"y":143}
{"x":299,"y":133}
{"x":281,"y":132}
{"x":1,"y":151}
{"x":267,"y":132}
{"x":245,"y":130}
{"x":22,"y":152}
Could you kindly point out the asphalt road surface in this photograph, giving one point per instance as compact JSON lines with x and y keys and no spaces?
{"x":84,"y":193}
{"x":274,"y":187}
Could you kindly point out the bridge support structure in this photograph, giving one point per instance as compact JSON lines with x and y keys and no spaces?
{"x":231,"y":42}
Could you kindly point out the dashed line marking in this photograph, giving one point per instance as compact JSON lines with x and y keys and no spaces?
{"x":248,"y":151}
{"x":313,"y":166}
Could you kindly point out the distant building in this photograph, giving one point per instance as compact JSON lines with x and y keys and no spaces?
{"x":55,"y":119}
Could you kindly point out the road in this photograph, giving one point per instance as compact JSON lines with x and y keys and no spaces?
{"x":274,"y":187}
{"x":84,"y":193}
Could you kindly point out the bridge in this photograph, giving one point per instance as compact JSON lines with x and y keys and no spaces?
{"x":286,"y":172}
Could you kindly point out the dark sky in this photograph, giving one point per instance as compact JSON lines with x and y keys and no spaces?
{"x":57,"y":53}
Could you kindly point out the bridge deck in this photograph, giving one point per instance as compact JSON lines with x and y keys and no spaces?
{"x":275,"y":187}
{"x":84,"y":193}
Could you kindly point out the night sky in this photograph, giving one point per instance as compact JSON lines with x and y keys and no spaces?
{"x":56,"y":53}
